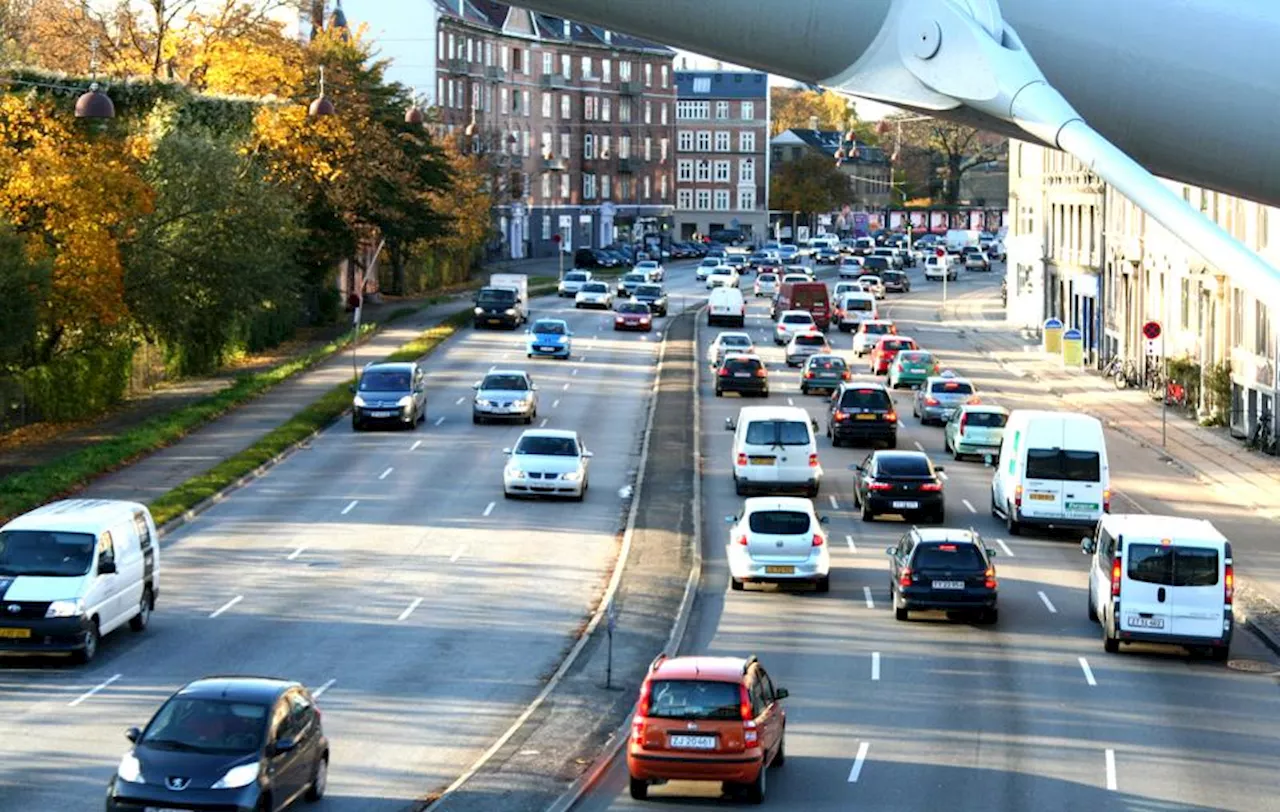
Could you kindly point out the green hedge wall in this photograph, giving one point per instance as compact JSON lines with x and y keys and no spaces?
{"x":77,"y":386}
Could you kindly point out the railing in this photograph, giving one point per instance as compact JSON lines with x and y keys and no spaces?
{"x":553,"y":80}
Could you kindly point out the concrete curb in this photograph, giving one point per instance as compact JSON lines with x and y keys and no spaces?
{"x":601,"y":765}
{"x":597,"y":616}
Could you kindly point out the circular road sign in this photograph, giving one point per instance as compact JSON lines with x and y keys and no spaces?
{"x":1151,"y":330}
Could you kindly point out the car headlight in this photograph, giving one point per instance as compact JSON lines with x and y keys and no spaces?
{"x":479,"y":310}
{"x":130,"y":769}
{"x":485,"y":402}
{"x":358,"y":401}
{"x":237,"y":777}
{"x":572,"y":476}
{"x":72,"y":607}
{"x":515,"y":473}
{"x":511,"y":311}
{"x":520,"y":404}
{"x":405,"y":401}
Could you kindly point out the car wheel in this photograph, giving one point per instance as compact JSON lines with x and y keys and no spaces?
{"x":736,"y":584}
{"x":580,"y":495}
{"x":528,"y":421}
{"x":865,"y":511}
{"x":824,"y":583}
{"x":89,"y":650}
{"x":989,"y":617}
{"x":475,"y":418}
{"x":356,"y":425}
{"x":138,"y":622}
{"x":319,"y":780}
{"x":738,"y":487}
{"x":1219,"y":654}
{"x":506,"y":494}
{"x":893,"y":442}
{"x":1093,"y":610}
{"x":719,"y":393}
{"x":1010,"y":523}
{"x":756,"y":790}
{"x":1110,"y":644}
{"x":804,"y":390}
{"x":780,"y":757}
{"x":900,"y":613}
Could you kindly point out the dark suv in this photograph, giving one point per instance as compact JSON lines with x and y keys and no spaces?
{"x":390,"y":394}
{"x":744,"y":374}
{"x":942,"y":569}
{"x":862,"y":412}
{"x":901,"y":482}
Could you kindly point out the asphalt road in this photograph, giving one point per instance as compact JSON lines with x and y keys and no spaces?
{"x":934,"y":714}
{"x":382,"y":569}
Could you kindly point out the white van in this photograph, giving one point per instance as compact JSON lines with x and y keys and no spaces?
{"x":855,"y":308}
{"x":725,"y":305}
{"x":829,"y":241}
{"x":1053,"y":471}
{"x":1161,"y":579}
{"x":774,"y":449}
{"x":73,"y":571}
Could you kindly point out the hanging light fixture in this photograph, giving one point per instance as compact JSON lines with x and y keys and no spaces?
{"x":94,"y":103}
{"x":414,"y":114}
{"x":321,"y":106}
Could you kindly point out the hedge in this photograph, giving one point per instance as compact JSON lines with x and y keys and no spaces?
{"x":74,"y":387}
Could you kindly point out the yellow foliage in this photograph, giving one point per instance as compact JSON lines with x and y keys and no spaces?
{"x":467,"y":203}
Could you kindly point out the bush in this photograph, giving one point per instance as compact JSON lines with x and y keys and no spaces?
{"x":74,"y":387}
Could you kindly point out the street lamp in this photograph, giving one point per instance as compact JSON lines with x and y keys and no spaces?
{"x":321,"y":106}
{"x":94,"y":103}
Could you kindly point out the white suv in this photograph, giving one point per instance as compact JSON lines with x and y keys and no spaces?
{"x":708,"y":266}
{"x":779,"y":539}
{"x":936,"y":268}
{"x":792,"y":323}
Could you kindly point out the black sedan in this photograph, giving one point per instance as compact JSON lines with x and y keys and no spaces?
{"x":825,"y":256}
{"x":652,"y":295}
{"x":942,"y":569}
{"x":240,"y":744}
{"x":901,"y":482}
{"x":744,"y":374}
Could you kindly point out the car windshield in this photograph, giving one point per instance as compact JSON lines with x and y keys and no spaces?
{"x":797,"y":318}
{"x":207,"y":726}
{"x":778,"y":432}
{"x":496,"y":296}
{"x":879,"y":263}
{"x":647,"y":263}
{"x":903,"y":465}
{"x":779,"y":522}
{"x":986,"y":420}
{"x":961,"y":556}
{"x":874,"y":329}
{"x":633,"y":307}
{"x":1064,"y":464}
{"x":41,"y":552}
{"x":952,"y":388}
{"x":550,"y":328}
{"x":384,"y":380}
{"x":810,"y":341}
{"x":635,"y":277}
{"x":693,"y":699}
{"x":595,"y":287}
{"x":575,"y":277}
{"x":1170,"y":565}
{"x":548,"y":446}
{"x":865,"y":399}
{"x":649,"y":290}
{"x":516,"y":383}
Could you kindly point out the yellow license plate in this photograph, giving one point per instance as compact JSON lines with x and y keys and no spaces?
{"x":780,"y":570}
{"x":866,"y":417}
{"x":1042,"y":497}
{"x":761,"y":460}
{"x":18,"y":633}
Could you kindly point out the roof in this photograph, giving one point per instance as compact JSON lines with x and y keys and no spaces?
{"x":773,"y":413}
{"x":75,"y":515}
{"x":899,"y":454}
{"x":722,"y":84}
{"x":255,"y":689}
{"x":828,"y":141}
{"x":1073,"y":417}
{"x":493,"y":15}
{"x":719,"y":669}
{"x":800,"y":503}
{"x":563,"y":434}
{"x":944,"y":534}
{"x":520,"y":372}
{"x":1146,"y":525}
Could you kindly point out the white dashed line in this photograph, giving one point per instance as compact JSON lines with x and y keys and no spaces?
{"x":969,"y":505}
{"x":566,"y":387}
{"x":866,"y":595}
{"x":858,"y":761}
{"x":385,"y":473}
{"x":1088,"y":672}
{"x":1111,"y":769}
{"x":1005,"y":548}
{"x":295,"y":553}
{"x":93,"y":691}
{"x":1048,"y":604}
{"x":573,"y":371}
{"x":350,"y":506}
{"x":459,"y":401}
{"x":875,"y":666}
{"x":790,"y":402}
{"x":901,"y":425}
{"x":554,"y":405}
{"x":457,"y":553}
{"x":918,"y":446}
{"x":224,"y":607}
{"x":489,"y":508}
{"x":439,"y":420}
{"x":834,"y":504}
{"x":317,"y":692}
{"x":544,"y":422}
{"x":408,"y":610}
{"x":418,"y":443}
{"x":853,"y":548}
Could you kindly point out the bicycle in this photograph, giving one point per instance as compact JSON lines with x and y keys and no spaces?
{"x":1263,"y":438}
{"x":1123,"y":372}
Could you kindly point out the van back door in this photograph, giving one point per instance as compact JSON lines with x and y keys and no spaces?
{"x":1083,"y":485}
{"x":1197,"y":595}
{"x":1147,"y":575}
{"x":1042,"y":483}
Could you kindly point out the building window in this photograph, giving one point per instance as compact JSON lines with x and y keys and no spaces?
{"x":684,"y":171}
{"x":648,"y":148}
{"x":1185,"y":315}
{"x":648,"y":77}
{"x":704,"y":199}
{"x":453,"y":51}
{"x":684,"y":141}
{"x":624,"y":71}
{"x":704,"y":140}
{"x":548,"y":63}
{"x":546,"y":105}
{"x":1263,"y":343}
{"x":588,"y":146}
{"x":684,"y":198}
{"x":546,"y":191}
{"x":606,"y":70}
{"x":702,"y":84}
{"x":504,"y":57}
{"x":586,"y":68}
{"x":722,"y":141}
{"x":565,"y":190}
{"x":692,"y":110}
{"x":624,"y":146}
{"x":722,"y":172}
{"x":624,"y":111}
{"x":546,"y":225}
{"x":703,"y":171}
{"x":604,"y":147}
{"x":604,"y":188}
{"x":624,"y":189}
{"x":525,"y":138}
{"x":590,"y":108}
{"x":646,"y":194}
{"x":748,"y":111}
{"x":1237,"y":318}
{"x":526,"y":99}
{"x":502,"y":98}
{"x":566,"y":107}
{"x":518,"y":61}
{"x":746,"y":141}
{"x":722,"y":200}
{"x":442,"y":44}
{"x":566,"y":150}
{"x":747,"y":199}
{"x":722,"y":110}
{"x":588,"y":186}
{"x":664,"y":148}
{"x":666,"y":76}
{"x":747,"y":170}
{"x":648,"y":113}
{"x":662,"y":108}
{"x":488,"y":53}
{"x":566,"y":66}
{"x":546,"y":143}
{"x":605,"y":112}
{"x":440,"y":91}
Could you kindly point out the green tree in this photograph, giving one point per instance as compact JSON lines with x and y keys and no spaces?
{"x":811,"y":184}
{"x":24,"y":288}
{"x":936,"y":148}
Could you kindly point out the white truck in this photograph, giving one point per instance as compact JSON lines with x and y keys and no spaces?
{"x":960,"y":238}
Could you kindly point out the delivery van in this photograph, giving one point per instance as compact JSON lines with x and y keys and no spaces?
{"x":1053,"y":472}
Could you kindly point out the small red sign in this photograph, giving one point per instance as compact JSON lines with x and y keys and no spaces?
{"x":555,"y":238}
{"x":1151,"y":330}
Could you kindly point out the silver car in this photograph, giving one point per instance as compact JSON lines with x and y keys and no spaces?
{"x":546,"y":462}
{"x":940,"y":396}
{"x":505,"y":394}
{"x":804,"y":345}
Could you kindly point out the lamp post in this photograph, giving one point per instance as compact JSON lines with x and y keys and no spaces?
{"x":94,"y":103}
{"x":321,"y":106}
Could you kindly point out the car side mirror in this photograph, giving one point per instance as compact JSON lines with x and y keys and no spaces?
{"x":283,"y":746}
{"x":568,"y":332}
{"x":890,"y":551}
{"x":856,"y":467}
{"x":730,"y":519}
{"x":729,"y":425}
{"x":476,"y":385}
{"x":133,"y":734}
{"x":533,"y":387}
{"x":781,"y":693}
{"x":991,"y":553}
{"x":813,"y":423}
{"x":1088,"y":546}
{"x":587,"y":454}
{"x":106,"y":568}
{"x":939,"y":467}
{"x":506,"y":451}
{"x":824,"y":520}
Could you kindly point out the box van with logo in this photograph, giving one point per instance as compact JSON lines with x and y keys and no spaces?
{"x":1053,"y":471}
{"x":774,"y":449}
{"x":73,"y":571}
{"x":810,"y":296}
{"x":1161,"y":579}
{"x":725,"y":305}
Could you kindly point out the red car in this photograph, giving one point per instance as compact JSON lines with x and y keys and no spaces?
{"x":886,"y":349}
{"x":633,"y":316}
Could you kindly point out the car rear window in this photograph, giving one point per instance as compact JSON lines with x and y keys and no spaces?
{"x":735,"y":341}
{"x":768,"y":277}
{"x":811,"y":341}
{"x":897,"y":344}
{"x":595,"y":287}
{"x":1064,"y":464}
{"x":827,"y":362}
{"x":961,"y":556}
{"x":903,"y":466}
{"x":916,"y":358}
{"x":778,"y":432}
{"x":859,"y":304}
{"x":1170,"y":565}
{"x":779,"y":522}
{"x":742,"y":364}
{"x":875,"y":329}
{"x":986,"y":420}
{"x":575,"y":277}
{"x":865,"y":399}
{"x":648,"y":290}
{"x":879,"y":263}
{"x":633,"y":307}
{"x":693,"y":699}
{"x":798,"y":318}
{"x":952,"y":388}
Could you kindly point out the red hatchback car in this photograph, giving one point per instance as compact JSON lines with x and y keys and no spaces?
{"x":887,"y":349}
{"x":633,"y":316}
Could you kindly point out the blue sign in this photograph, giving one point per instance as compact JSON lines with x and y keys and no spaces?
{"x":1073,"y":335}
{"x":1053,"y":324}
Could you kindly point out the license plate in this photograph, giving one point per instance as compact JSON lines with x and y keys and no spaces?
{"x":865,"y":417}
{"x":779,"y":570}
{"x":693,"y":742}
{"x":906,"y":505}
{"x":1042,"y":497}
{"x":495,"y":321}
{"x":546,"y":349}
{"x":742,"y":374}
{"x":1146,"y":622}
{"x":162,"y":809}
{"x":1082,"y":506}
{"x":15,"y":633}
{"x":948,"y":584}
{"x":760,"y":460}
{"x":380,"y":414}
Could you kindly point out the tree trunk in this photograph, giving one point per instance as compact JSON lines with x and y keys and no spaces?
{"x":397,"y":268}
{"x":951,"y":189}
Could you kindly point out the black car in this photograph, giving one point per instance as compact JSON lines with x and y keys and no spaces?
{"x":826,"y":256}
{"x":942,"y":569}
{"x":390,"y":394}
{"x":862,"y":412}
{"x":896,"y":281}
{"x":875,"y":266}
{"x":744,"y":374}
{"x":652,"y":295}
{"x":239,"y":744}
{"x":498,"y":307}
{"x":901,"y":482}
{"x":585,"y":258}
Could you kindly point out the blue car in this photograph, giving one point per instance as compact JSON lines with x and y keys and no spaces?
{"x":550,"y":338}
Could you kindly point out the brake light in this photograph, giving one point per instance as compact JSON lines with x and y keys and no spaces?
{"x":964,"y":421}
{"x":847,"y":376}
{"x":742,"y":459}
{"x":813,"y":460}
{"x":742,"y":540}
{"x":931,"y":401}
{"x":974,"y":401}
{"x":905,"y":578}
{"x":1017,"y":497}
{"x":1229,"y":585}
{"x":808,"y":374}
{"x":1106,"y":500}
{"x":744,"y":704}
{"x":646,"y":690}
{"x":892,"y":417}
{"x":990,"y":574}
{"x":724,"y":372}
{"x":637,"y":730}
{"x":879,"y":486}
{"x":1115,"y":578}
{"x":839,"y":416}
{"x":931,"y":486}
{"x":762,"y":373}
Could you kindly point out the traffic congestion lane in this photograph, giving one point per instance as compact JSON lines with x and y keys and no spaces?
{"x":292,"y":576}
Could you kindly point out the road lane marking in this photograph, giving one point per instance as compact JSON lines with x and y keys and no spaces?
{"x":386,"y":473}
{"x":553,"y":405}
{"x":317,"y":692}
{"x":866,"y":595}
{"x":408,"y":610}
{"x":489,"y":508}
{"x":901,"y":425}
{"x":439,"y":420}
{"x":350,"y":506}
{"x":573,"y":371}
{"x":875,"y":666}
{"x":858,"y":761}
{"x":566,"y":387}
{"x":224,"y":607}
{"x":1048,"y":604}
{"x":969,"y":505}
{"x":418,"y":443}
{"x":790,"y":402}
{"x":458,"y":402}
{"x":834,"y":504}
{"x":853,"y":548}
{"x":295,"y":553}
{"x":462,"y":548}
{"x":1005,"y":548}
{"x":93,"y":691}
{"x":1111,"y":769}
{"x":942,"y":474}
{"x":918,"y":446}
{"x":544,"y":422}
{"x":1088,"y":672}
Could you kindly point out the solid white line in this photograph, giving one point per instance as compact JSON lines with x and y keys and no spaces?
{"x":409,"y":609}
{"x":317,"y":692}
{"x":458,"y":402}
{"x":918,"y":446}
{"x":875,"y":666}
{"x":296,"y":553}
{"x":1005,"y":548}
{"x":1111,"y":769}
{"x":857,"y":762}
{"x":553,"y":405}
{"x":418,"y":443}
{"x":457,"y":553}
{"x":834,"y":504}
{"x":866,"y":594}
{"x":901,"y":425}
{"x":1048,"y":604}
{"x":969,"y":505}
{"x":942,"y":474}
{"x":1088,"y":672}
{"x":489,"y":508}
{"x":544,"y":422}
{"x":351,"y":505}
{"x":386,"y":473}
{"x":95,"y":689}
{"x":439,"y":420}
{"x":853,"y":548}
{"x":226,"y":606}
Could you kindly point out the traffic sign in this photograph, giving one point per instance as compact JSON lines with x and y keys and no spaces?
{"x":555,"y":238}
{"x":1151,"y":330}
{"x":940,"y":252}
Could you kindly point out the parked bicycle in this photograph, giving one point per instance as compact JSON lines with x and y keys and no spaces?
{"x":1123,"y":372}
{"x":1263,"y":438}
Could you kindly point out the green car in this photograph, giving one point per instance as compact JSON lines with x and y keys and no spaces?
{"x":911,"y":367}
{"x":823,"y":373}
{"x":977,"y":429}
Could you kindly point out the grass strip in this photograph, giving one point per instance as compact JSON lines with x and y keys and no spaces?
{"x":302,"y":425}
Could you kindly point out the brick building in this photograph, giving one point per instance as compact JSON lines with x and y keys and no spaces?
{"x":867,"y":167}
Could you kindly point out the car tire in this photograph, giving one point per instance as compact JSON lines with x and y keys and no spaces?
{"x":475,"y":419}
{"x":865,"y":512}
{"x":319,"y":780}
{"x":506,"y":494}
{"x":1220,"y":654}
{"x":1093,"y":610}
{"x":138,"y":622}
{"x":528,"y":421}
{"x":804,"y":390}
{"x":356,"y":425}
{"x":1010,"y":523}
{"x":639,"y":789}
{"x":989,"y":617}
{"x":780,"y":757}
{"x":824,"y":584}
{"x":755,"y":791}
{"x":739,"y":488}
{"x":901,"y":613}
{"x":92,"y":638}
{"x":893,"y":442}
{"x":719,"y":393}
{"x":1110,"y":644}
{"x":736,"y":584}
{"x":812,"y":490}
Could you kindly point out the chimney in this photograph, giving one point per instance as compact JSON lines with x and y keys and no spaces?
{"x":813,"y":122}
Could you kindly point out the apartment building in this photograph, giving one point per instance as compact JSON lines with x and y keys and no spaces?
{"x":722,"y":157}
{"x":1082,"y":252}
{"x":576,"y":121}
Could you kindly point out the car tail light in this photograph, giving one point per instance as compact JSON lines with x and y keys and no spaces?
{"x":1115,"y":577}
{"x":742,"y":459}
{"x":744,"y":705}
{"x":964,"y":421}
{"x":813,"y":460}
{"x":990,"y":575}
{"x":808,"y":374}
{"x":905,"y":578}
{"x":879,"y":486}
{"x":931,"y":486}
{"x":931,"y":401}
{"x":637,"y":730}
{"x":646,"y":693}
{"x":1017,"y":497}
{"x":840,"y":416}
{"x":724,"y":372}
{"x":974,"y":401}
{"x":1229,"y":585}
{"x":1106,"y":500}
{"x":847,"y":375}
{"x":818,"y":540}
{"x":742,"y":540}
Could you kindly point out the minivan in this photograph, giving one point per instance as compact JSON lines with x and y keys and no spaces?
{"x":810,"y":296}
{"x":1161,"y":579}
{"x":855,"y":308}
{"x":774,"y":449}
{"x":725,"y":305}
{"x":1053,"y":471}
{"x":75,"y":570}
